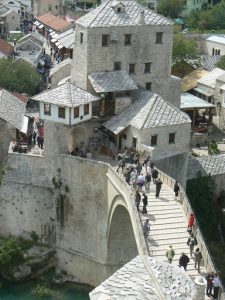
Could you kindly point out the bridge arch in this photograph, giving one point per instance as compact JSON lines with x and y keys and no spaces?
{"x":121,"y":246}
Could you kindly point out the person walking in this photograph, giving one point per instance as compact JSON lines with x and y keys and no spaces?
{"x":121,"y":165}
{"x":216,"y":286}
{"x":137,"y":199}
{"x":176,"y":189}
{"x":140,"y":181}
{"x":145,"y":203}
{"x":198,"y":258}
{"x":191,"y":222}
{"x":148,"y":179}
{"x":191,"y":242}
{"x":155,"y":174}
{"x":158,"y":187}
{"x":170,"y":254}
{"x":146,"y":228}
{"x":209,"y":279}
{"x":183,"y":261}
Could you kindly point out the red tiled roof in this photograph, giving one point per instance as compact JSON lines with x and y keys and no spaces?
{"x":53,"y":22}
{"x":5,"y":47}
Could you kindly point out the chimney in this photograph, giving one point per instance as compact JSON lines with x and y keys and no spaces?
{"x":142,"y":17}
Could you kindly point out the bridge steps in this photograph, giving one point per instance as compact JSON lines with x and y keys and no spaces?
{"x":168,"y":227}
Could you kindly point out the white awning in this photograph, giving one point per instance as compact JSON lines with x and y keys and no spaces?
{"x":24,"y":125}
{"x":53,"y":40}
{"x":60,"y":46}
{"x":40,"y":26}
{"x":36,"y":23}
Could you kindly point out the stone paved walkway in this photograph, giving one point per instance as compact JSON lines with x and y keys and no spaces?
{"x":168,"y":226}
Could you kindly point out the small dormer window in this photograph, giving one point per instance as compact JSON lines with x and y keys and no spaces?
{"x":119,"y":9}
{"x":117,"y":6}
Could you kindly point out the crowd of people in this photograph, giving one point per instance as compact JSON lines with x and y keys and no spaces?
{"x":139,"y":172}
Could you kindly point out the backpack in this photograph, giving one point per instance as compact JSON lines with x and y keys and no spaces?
{"x":192,"y":241}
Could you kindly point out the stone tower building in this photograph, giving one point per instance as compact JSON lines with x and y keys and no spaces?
{"x":124,"y":35}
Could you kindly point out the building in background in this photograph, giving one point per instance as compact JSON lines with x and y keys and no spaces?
{"x":9,"y":21}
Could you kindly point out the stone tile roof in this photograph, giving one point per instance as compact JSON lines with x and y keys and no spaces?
{"x":209,"y":62}
{"x":5,"y":47}
{"x":4,"y":11}
{"x":105,"y":15}
{"x":147,"y":110}
{"x":12,"y":109}
{"x":34,"y":36}
{"x":54,"y":22}
{"x":66,"y":95}
{"x":210,"y":79}
{"x":59,"y":66}
{"x":115,"y":81}
{"x":133,"y":282}
{"x":190,"y":101}
{"x":213,"y":164}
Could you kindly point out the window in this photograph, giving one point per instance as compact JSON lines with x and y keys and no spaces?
{"x":76,"y":112}
{"x":105,"y":40}
{"x":86,"y":109}
{"x":117,"y":66}
{"x":47,"y":109}
{"x":159,"y":37}
{"x":148,"y":86}
{"x":154,"y":140}
{"x":127,"y":39}
{"x":61,"y":112}
{"x":131,"y":68}
{"x":171,"y":138}
{"x":81,"y":37}
{"x":148,"y":67}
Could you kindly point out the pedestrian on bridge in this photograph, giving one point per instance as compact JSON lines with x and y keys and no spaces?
{"x":146,"y":228}
{"x":176,"y":189}
{"x":183,"y":261}
{"x":158,"y":187}
{"x":147,"y":181}
{"x":198,"y":258}
{"x":137,"y":199}
{"x":191,"y":242}
{"x":170,"y":254}
{"x":145,"y":203}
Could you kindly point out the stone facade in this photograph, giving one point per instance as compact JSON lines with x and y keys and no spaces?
{"x":90,"y":56}
{"x":41,"y":7}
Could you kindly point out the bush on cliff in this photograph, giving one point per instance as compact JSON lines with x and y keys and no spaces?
{"x":11,"y":253}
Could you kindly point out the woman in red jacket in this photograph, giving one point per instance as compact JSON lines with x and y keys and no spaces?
{"x":191,"y":222}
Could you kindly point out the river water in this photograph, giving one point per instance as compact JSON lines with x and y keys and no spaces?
{"x":22,"y":291}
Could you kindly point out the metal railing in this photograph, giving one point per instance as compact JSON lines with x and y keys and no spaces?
{"x":209,"y":263}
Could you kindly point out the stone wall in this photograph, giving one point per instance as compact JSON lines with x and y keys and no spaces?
{"x":26,"y":198}
{"x":90,"y":56}
{"x":64,"y":72}
{"x":175,"y":166}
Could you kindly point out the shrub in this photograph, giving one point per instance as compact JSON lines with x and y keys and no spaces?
{"x":41,"y":291}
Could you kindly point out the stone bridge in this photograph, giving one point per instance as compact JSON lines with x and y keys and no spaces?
{"x":91,"y":220}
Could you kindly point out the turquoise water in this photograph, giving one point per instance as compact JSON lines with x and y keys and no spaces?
{"x":22,"y":291}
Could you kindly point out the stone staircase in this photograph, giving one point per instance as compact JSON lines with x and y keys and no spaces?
{"x":168,"y":227}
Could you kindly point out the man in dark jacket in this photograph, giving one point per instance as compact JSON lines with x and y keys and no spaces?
{"x":158,"y":184}
{"x":183,"y":261}
{"x":145,"y":203}
{"x":155,"y":174}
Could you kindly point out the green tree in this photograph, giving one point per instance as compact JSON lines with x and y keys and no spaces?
{"x":201,"y":192}
{"x":184,"y":51}
{"x":19,"y":76}
{"x":11,"y":253}
{"x":170,"y":8}
{"x":221,"y":63}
